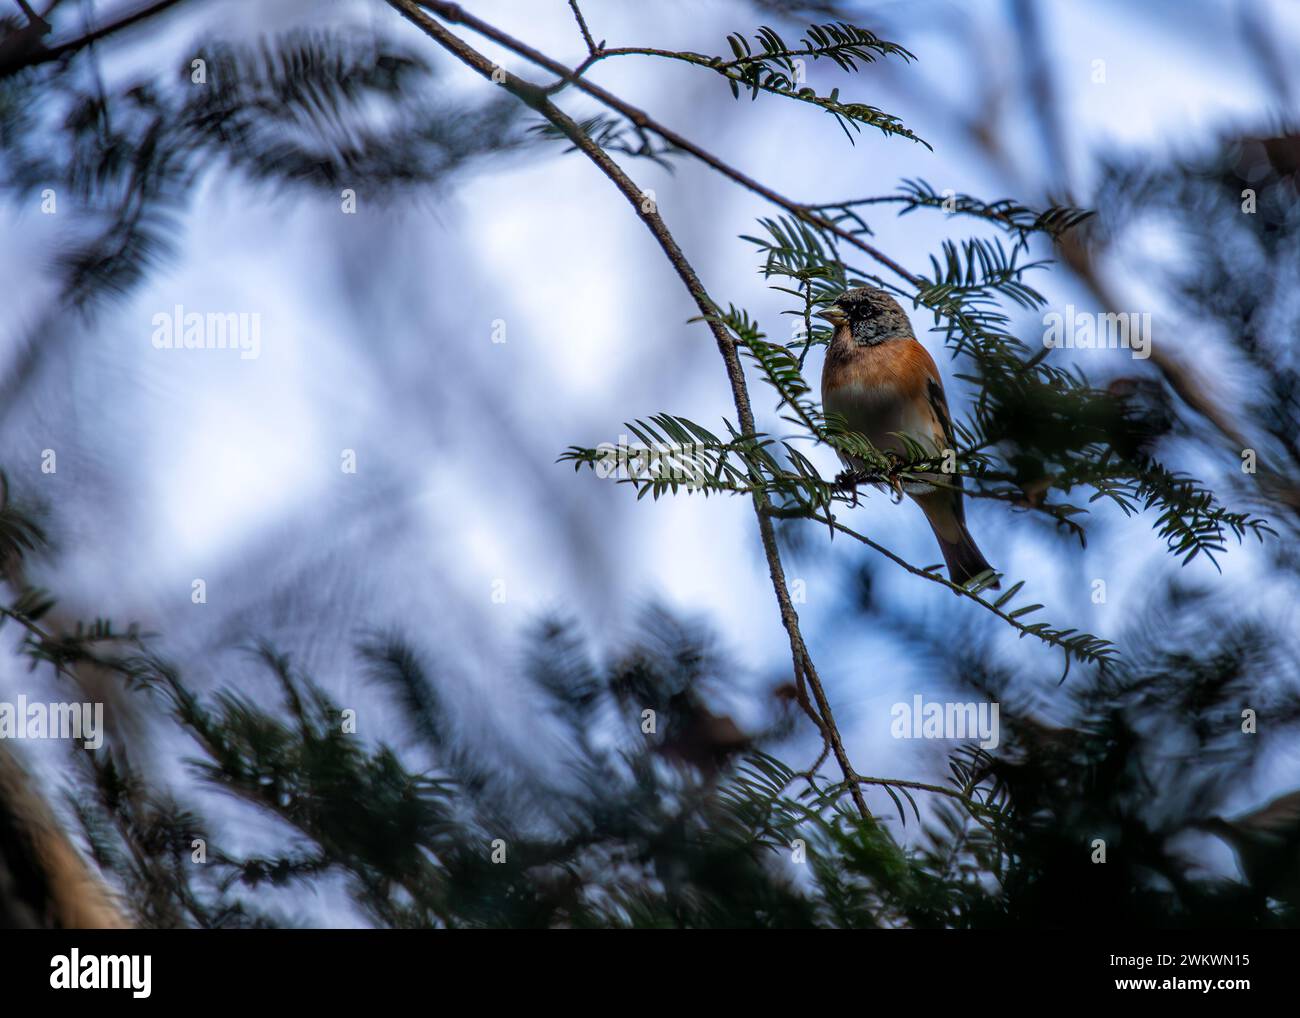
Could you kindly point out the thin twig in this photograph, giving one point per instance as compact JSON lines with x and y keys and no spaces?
{"x":974,"y":805}
{"x":592,"y":48}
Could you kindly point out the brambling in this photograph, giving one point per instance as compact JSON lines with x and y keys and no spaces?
{"x":884,"y":384}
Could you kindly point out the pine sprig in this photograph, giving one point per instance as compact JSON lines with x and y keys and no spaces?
{"x":1018,"y":220}
{"x":770,"y":65}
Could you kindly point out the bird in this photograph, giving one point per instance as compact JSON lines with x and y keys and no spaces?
{"x":884,"y":384}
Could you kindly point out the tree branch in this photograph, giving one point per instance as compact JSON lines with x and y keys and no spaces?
{"x":30,"y":52}
{"x":535,"y":97}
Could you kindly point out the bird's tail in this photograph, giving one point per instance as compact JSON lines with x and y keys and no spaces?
{"x":964,"y":559}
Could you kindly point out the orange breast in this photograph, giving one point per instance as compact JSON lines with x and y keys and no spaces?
{"x":881,"y":389}
{"x":903,"y":366}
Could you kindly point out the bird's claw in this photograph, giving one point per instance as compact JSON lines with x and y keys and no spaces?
{"x":848,"y":479}
{"x":896,"y":463}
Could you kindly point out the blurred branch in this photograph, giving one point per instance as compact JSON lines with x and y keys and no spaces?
{"x":1036,"y":59}
{"x":1261,"y":38}
{"x":24,"y":48}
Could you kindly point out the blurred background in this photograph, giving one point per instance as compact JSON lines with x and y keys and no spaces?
{"x":491,"y":302}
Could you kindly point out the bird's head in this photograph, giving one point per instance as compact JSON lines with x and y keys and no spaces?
{"x":870,"y":315}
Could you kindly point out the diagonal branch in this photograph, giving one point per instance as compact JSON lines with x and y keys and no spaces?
{"x":535,"y":97}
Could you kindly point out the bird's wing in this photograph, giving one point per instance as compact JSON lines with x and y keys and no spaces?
{"x":933,"y":394}
{"x":938,"y":405}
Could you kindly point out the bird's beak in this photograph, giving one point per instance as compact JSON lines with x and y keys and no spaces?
{"x":833,"y":315}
